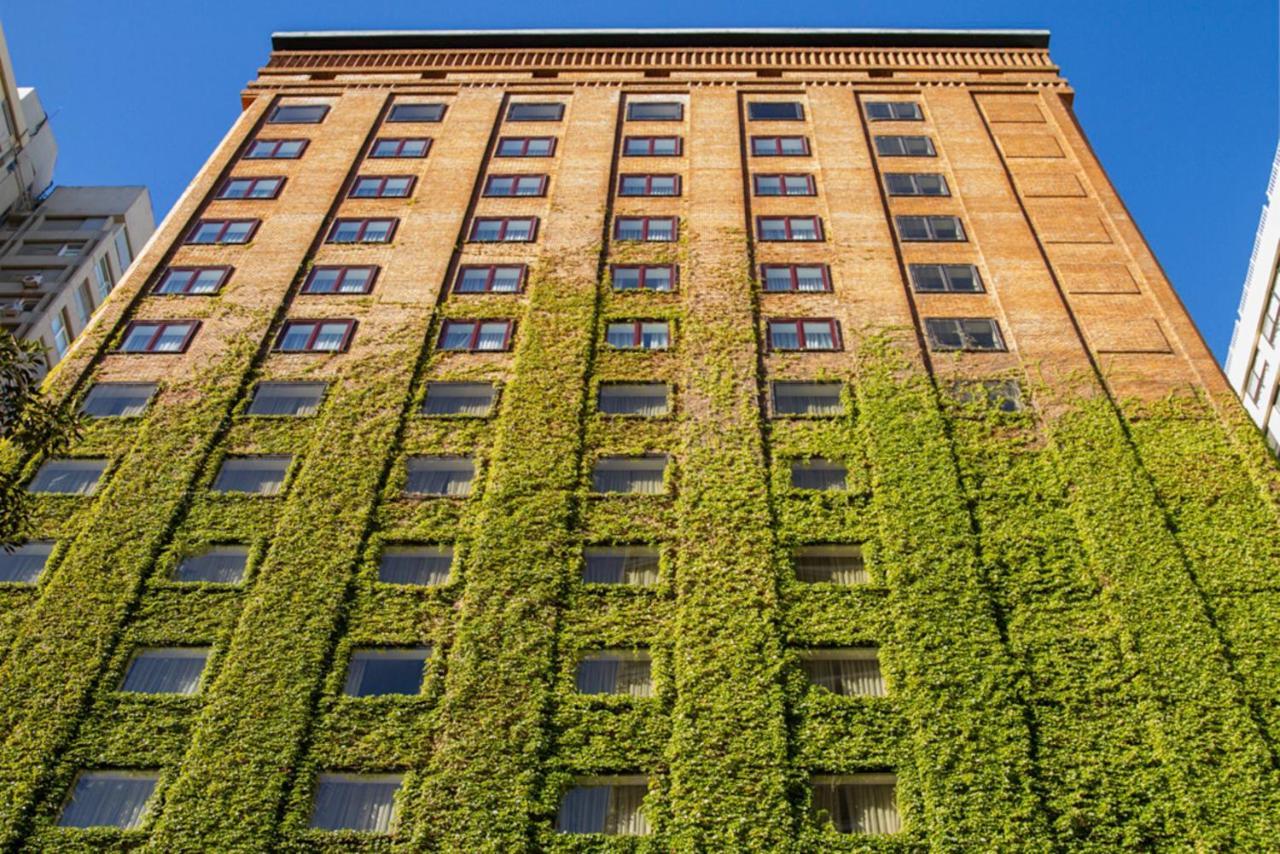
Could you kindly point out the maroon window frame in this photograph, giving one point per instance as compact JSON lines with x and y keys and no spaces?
{"x":160,"y":325}
{"x":488,"y":186}
{"x":637,"y":330}
{"x":793,"y":272}
{"x":342,"y":269}
{"x":502,"y":231}
{"x":253,"y":183}
{"x":524,"y":146}
{"x":811,"y":187}
{"x":491,"y":271}
{"x":320,"y":323}
{"x":400,"y":143}
{"x":381,"y":181}
{"x":226,"y":224}
{"x":644,"y":268}
{"x":776,"y":142}
{"x":225,"y":270}
{"x":837,"y":341}
{"x":787,"y":228}
{"x":645,"y":221}
{"x":475,"y":324}
{"x":649,"y":178}
{"x":275,"y":150}
{"x":650,"y":142}
{"x":364,"y":225}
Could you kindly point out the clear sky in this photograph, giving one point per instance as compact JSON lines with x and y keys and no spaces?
{"x":1179,"y":97}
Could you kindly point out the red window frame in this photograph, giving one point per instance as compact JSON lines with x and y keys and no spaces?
{"x":161,"y":326}
{"x":820,"y":235}
{"x":488,"y":187}
{"x":649,"y":178}
{"x":637,"y":330}
{"x":644,"y":268}
{"x":275,"y":155}
{"x":315,"y":333}
{"x":793,"y":270}
{"x":275,"y":111}
{"x":382,"y":186}
{"x":491,"y":273}
{"x":476,"y":323}
{"x":505,"y":220}
{"x":364,"y":225}
{"x":646,"y":220}
{"x":400,"y":143}
{"x":253,"y":182}
{"x":226,"y":224}
{"x":168,"y":271}
{"x":777,"y":146}
{"x":811,"y":187}
{"x":650,"y":142}
{"x":342,"y":269}
{"x":524,"y":147}
{"x":836,"y":340}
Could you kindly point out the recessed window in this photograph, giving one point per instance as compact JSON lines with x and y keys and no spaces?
{"x":780,"y":146}
{"x":191,"y":281}
{"x":638,"y":335}
{"x":166,"y":671}
{"x":476,"y":336}
{"x":395,"y":147}
{"x":900,"y":111}
{"x":815,"y":334}
{"x":847,"y":672}
{"x":793,"y":228}
{"x":651,"y":146}
{"x":222,"y":231}
{"x":801,"y":398}
{"x":615,"y":672}
{"x":652,"y":229}
{"x":655,"y":111}
{"x":784,"y":185}
{"x":296,"y":400}
{"x":1005,"y":395}
{"x":251,"y":188}
{"x":117,"y":400}
{"x":298,"y":114}
{"x":526,"y":146}
{"x":214,"y":565}
{"x":802,"y":278}
{"x":1257,"y":378}
{"x":830,"y":565}
{"x":963,"y":333}
{"x":503,"y":229}
{"x":261,"y":475}
{"x":819,"y":474}
{"x":916,"y":184}
{"x":904,"y":146}
{"x":68,"y":477}
{"x":440,"y":476}
{"x":172,"y":336}
{"x":515,"y":185}
{"x":276,"y":149}
{"x":630,"y":475}
{"x":362,"y":231}
{"x":946,"y":278}
{"x":938,"y":229}
{"x":474,"y":400}
{"x":646,"y":400}
{"x":365,"y":803}
{"x":492,"y":278}
{"x":417,"y":566}
{"x":109,"y":799}
{"x":1271,"y":319}
{"x":604,"y":805}
{"x":416,"y":113}
{"x":649,"y":185}
{"x":535,"y":112}
{"x":315,"y":336}
{"x":378,"y":672}
{"x":775,"y":111}
{"x":644,"y":277}
{"x":55,"y":248}
{"x":633,"y":565}
{"x":340,"y":280}
{"x":382,"y":187}
{"x":24,"y":563}
{"x":858,"y":803}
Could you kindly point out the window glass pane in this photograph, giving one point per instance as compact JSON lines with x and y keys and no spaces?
{"x":775,"y":111}
{"x":638,"y":111}
{"x":172,"y":338}
{"x":583,"y":809}
{"x":291,"y":148}
{"x":506,"y":280}
{"x":803,"y":228}
{"x":206,"y":281}
{"x":356,"y":280}
{"x":633,"y":185}
{"x":237,"y":232}
{"x":657,"y":278}
{"x":912,"y":228}
{"x":493,"y":336}
{"x":773,"y":228}
{"x":830,"y":565}
{"x":963,"y":278}
{"x":457,"y":335}
{"x":666,"y":146}
{"x":817,"y":335}
{"x":236,"y":188}
{"x":24,"y":564}
{"x":630,"y":228}
{"x":777,"y":279}
{"x":293,"y":399}
{"x":621,"y":335}
{"x":663,"y":185}
{"x":324,"y":280}
{"x":422,"y":566}
{"x":646,"y":399}
{"x":377,"y":231}
{"x":331,"y":337}
{"x":866,"y":804}
{"x":499,"y":186}
{"x":796,"y":185}
{"x":139,"y":337}
{"x":108,"y":799}
{"x":928,"y":278}
{"x":653,"y":335}
{"x":818,"y":474}
{"x":298,"y":114}
{"x":636,"y":565}
{"x":931,"y":185}
{"x":899,"y":185}
{"x":810,"y":279}
{"x":535,"y":112}
{"x":981,"y":334}
{"x":217,"y":565}
{"x":539,"y":146}
{"x":626,"y":278}
{"x":472,"y":280}
{"x":640,"y":475}
{"x":68,"y":477}
{"x":416,"y":113}
{"x":519,"y":229}
{"x":378,"y":672}
{"x":176,"y":281}
{"x":796,"y":398}
{"x":117,"y":400}
{"x":946,"y":228}
{"x":252,"y":475}
{"x":529,"y":185}
{"x":851,"y":673}
{"x":794,"y":145}
{"x":474,"y":399}
{"x":615,"y":673}
{"x":441,"y":476}
{"x":296,"y":336}
{"x":768,"y":185}
{"x":662,"y":229}
{"x":364,"y":802}
{"x":165,"y":671}
{"x":486,"y":230}
{"x":386,"y":148}
{"x":206,"y":232}
{"x":783,"y":335}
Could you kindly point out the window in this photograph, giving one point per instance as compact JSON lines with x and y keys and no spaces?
{"x":54,"y":249}
{"x":1005,"y":395}
{"x":166,"y":671}
{"x":298,"y":114}
{"x":170,"y":336}
{"x":634,"y":565}
{"x":649,"y":185}
{"x":820,"y":474}
{"x":1257,"y":378}
{"x":494,"y":278}
{"x":362,"y":231}
{"x":784,"y":185}
{"x":416,"y":113}
{"x":251,"y":188}
{"x":648,"y":400}
{"x":645,"y":277}
{"x":117,"y":400}
{"x":797,"y":228}
{"x":801,"y":398}
{"x":68,"y":477}
{"x":904,"y":146}
{"x":388,"y":147}
{"x":963,"y":333}
{"x":655,"y":111}
{"x":102,"y":274}
{"x":916,"y":184}
{"x":441,"y":476}
{"x":262,"y":475}
{"x":847,"y":672}
{"x":830,"y":565}
{"x":24,"y":563}
{"x":607,"y":805}
{"x":61,"y":326}
{"x":360,"y":802}
{"x":124,"y":253}
{"x":939,"y":229}
{"x":651,"y":229}
{"x":816,"y":334}
{"x":109,"y":799}
{"x":638,"y":335}
{"x":215,"y":565}
{"x":76,"y":223}
{"x":651,"y":146}
{"x":340,"y":280}
{"x":469,"y":399}
{"x":946,"y":278}
{"x":419,"y":566}
{"x":515,"y":185}
{"x":631,"y":475}
{"x":476,"y":336}
{"x":526,"y":146}
{"x":84,"y":302}
{"x":189,"y":281}
{"x":1269,"y":320}
{"x":615,"y":672}
{"x":276,"y":149}
{"x":503,"y":229}
{"x":779,"y":146}
{"x":289,"y":399}
{"x":861,"y":803}
{"x":904,"y":111}
{"x":805,"y":278}
{"x":382,"y":187}
{"x":535,"y":112}
{"x":223,"y":231}
{"x":378,"y":672}
{"x":775,"y":111}
{"x":315,"y":336}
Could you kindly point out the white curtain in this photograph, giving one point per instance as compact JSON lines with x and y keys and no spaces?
{"x":493,"y":336}
{"x":330,"y":337}
{"x":263,"y":476}
{"x":647,"y":400}
{"x":296,"y":399}
{"x":829,"y":565}
{"x":791,"y":398}
{"x":859,"y":807}
{"x":638,"y":480}
{"x":611,"y":809}
{"x":166,"y":671}
{"x":635,"y":565}
{"x":817,"y":476}
{"x":223,"y":565}
{"x":425,"y":567}
{"x":615,"y":674}
{"x":855,"y":676}
{"x":108,"y":799}
{"x":24,"y":564}
{"x":625,"y":817}
{"x":430,"y":477}
{"x":459,"y":399}
{"x":351,"y":803}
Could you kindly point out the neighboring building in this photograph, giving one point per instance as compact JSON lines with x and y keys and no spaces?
{"x":29,"y":151}
{"x":1254,"y":357}
{"x":755,"y":440}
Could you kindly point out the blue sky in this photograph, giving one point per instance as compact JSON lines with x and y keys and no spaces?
{"x":1178,"y":98}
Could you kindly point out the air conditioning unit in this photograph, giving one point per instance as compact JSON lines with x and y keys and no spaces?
{"x":32,"y":282}
{"x":15,"y":308}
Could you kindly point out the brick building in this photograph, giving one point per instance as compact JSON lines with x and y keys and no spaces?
{"x":744,"y":440}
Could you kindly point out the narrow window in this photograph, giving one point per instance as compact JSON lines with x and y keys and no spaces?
{"x":1272,"y":317}
{"x":315,"y":336}
{"x":820,"y":474}
{"x":847,"y":672}
{"x":815,"y":334}
{"x":916,"y":184}
{"x":416,"y":113}
{"x":475,"y":336}
{"x":633,"y":565}
{"x":647,"y":400}
{"x":655,"y":111}
{"x":801,"y":398}
{"x":651,"y":146}
{"x":780,"y":146}
{"x":362,"y":231}
{"x":1005,"y":395}
{"x":222,"y":231}
{"x":109,"y":799}
{"x":629,"y":475}
{"x":644,"y":277}
{"x":378,"y":672}
{"x":859,"y":803}
{"x":1257,"y":378}
{"x":439,"y":476}
{"x":794,"y":228}
{"x":294,"y":400}
{"x":117,"y":400}
{"x":535,"y":112}
{"x":382,"y":187}
{"x":298,"y":114}
{"x":963,"y":333}
{"x":258,"y":475}
{"x":503,"y":229}
{"x":802,"y":278}
{"x":775,"y":111}
{"x":902,"y":111}
{"x":68,"y":477}
{"x":904,"y":146}
{"x":615,"y":672}
{"x":937,"y":229}
{"x":84,"y":302}
{"x":365,"y":803}
{"x":340,"y":280}
{"x":215,"y":565}
{"x":417,"y":566}
{"x":638,"y":335}
{"x":24,"y":563}
{"x":649,"y":185}
{"x":474,"y":400}
{"x":251,"y":188}
{"x":515,"y":185}
{"x":946,"y":278}
{"x":172,"y":336}
{"x":605,"y":805}
{"x":61,"y":327}
{"x":193,"y":281}
{"x":784,"y":185}
{"x":526,"y":146}
{"x":166,"y":671}
{"x":397,"y":147}
{"x":830,"y":565}
{"x":276,"y":149}
{"x":651,"y":229}
{"x":102,"y":273}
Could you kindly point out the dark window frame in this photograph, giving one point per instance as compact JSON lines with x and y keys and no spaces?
{"x":225,"y":269}
{"x":506,"y":221}
{"x":225,"y":224}
{"x":391,"y":114}
{"x":649,"y":178}
{"x":315,"y":333}
{"x":898,"y":137}
{"x":751,"y":109}
{"x":914,"y":179}
{"x":161,"y":326}
{"x":258,"y":386}
{"x":342,"y":269}
{"x":645,"y":225}
{"x":609,"y":384}
{"x":274,"y":119}
{"x":674,"y":270}
{"x":777,"y":145}
{"x":476,"y":324}
{"x":491,"y":274}
{"x":793,"y":270}
{"x":524,"y":146}
{"x":913,"y":271}
{"x":400,"y":143}
{"x":510,"y":116}
{"x":274,"y":155}
{"x":894,"y":108}
{"x":515,"y":179}
{"x":837,"y":340}
{"x":364,"y":226}
{"x":678,"y":117}
{"x":651,"y":142}
{"x":637,"y":332}
{"x":1002,"y":346}
{"x":253,"y":181}
{"x":776,"y":412}
{"x":381,"y":181}
{"x":962,"y":236}
{"x":811,"y":186}
{"x":788,"y":221}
